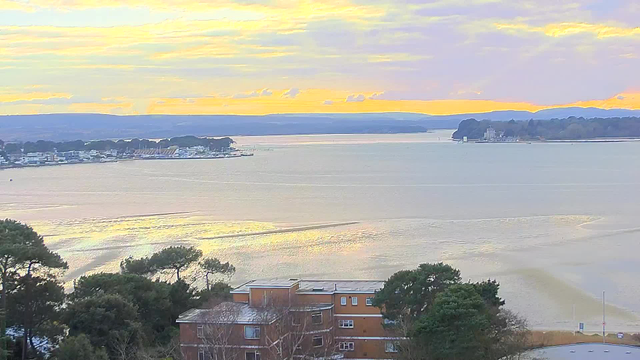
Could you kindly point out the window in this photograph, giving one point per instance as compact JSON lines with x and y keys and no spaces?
{"x":343,"y":301}
{"x":391,"y":347}
{"x":316,"y":318}
{"x":200,"y":354}
{"x":345,"y":324}
{"x":354,"y":301}
{"x":347,"y":346}
{"x":251,"y":355}
{"x":295,"y":320}
{"x":369,"y":301}
{"x":252,"y":332}
{"x":317,"y":341}
{"x":200,"y":331}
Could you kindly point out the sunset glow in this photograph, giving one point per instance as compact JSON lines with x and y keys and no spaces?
{"x":334,"y":56}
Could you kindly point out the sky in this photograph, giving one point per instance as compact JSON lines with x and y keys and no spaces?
{"x":304,"y":56}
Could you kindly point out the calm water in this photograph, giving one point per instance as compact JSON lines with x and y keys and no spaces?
{"x":555,"y":223}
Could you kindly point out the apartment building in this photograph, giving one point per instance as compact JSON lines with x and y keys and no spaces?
{"x":284,"y":319}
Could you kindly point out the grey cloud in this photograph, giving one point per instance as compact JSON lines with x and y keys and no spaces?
{"x":246,"y":96}
{"x":355,"y":98}
{"x":291,"y":93}
{"x":253,"y":94}
{"x":377,"y":96}
{"x":328,"y":102}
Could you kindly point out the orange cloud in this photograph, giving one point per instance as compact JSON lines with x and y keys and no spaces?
{"x":32,"y":96}
{"x":103,"y":108}
{"x":565,"y":29}
{"x":322,"y":101}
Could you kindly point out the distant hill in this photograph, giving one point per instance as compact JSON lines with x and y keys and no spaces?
{"x":59,"y":127}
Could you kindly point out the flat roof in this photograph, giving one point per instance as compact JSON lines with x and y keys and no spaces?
{"x":229,"y":313}
{"x":587,"y":352}
{"x":339,"y":286}
{"x":316,"y":286}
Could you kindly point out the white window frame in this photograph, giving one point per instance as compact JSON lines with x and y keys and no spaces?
{"x":201,"y":354}
{"x":354,"y":301}
{"x":369,"y":301}
{"x":347,"y":346}
{"x":391,"y":347}
{"x":321,"y":341}
{"x":257,"y":354}
{"x":316,"y":314}
{"x":346,"y":324}
{"x":343,"y":301}
{"x":254,"y":331}
{"x":200,"y":331}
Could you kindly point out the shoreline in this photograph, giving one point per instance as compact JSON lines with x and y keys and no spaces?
{"x":576,"y":141}
{"x":120,"y":160}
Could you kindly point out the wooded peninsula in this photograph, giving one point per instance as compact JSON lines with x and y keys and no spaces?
{"x":571,"y":128}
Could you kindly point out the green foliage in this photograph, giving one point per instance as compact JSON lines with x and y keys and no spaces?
{"x":151,"y":299}
{"x":466,"y":323}
{"x":411,"y":292}
{"x":456,"y":327}
{"x":23,"y":254}
{"x":120,"y":145}
{"x":488,"y":290}
{"x":21,"y":246}
{"x":121,"y":315}
{"x":447,"y":320}
{"x":182,"y":297}
{"x":571,"y":128}
{"x":46,"y":297}
{"x":216,"y":293}
{"x":104,"y":319}
{"x":79,"y":348}
{"x":12,"y":148}
{"x":175,"y":258}
{"x":213,"y":266}
{"x":136,"y":266}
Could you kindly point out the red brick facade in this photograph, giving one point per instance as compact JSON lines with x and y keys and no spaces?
{"x":318,"y":320}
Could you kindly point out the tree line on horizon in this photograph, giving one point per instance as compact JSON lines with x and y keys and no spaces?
{"x":571,"y":128}
{"x":131,"y":314}
{"x":119,"y":145}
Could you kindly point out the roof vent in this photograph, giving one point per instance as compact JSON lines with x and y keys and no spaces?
{"x":318,"y":289}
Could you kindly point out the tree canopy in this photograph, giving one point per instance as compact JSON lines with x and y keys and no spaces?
{"x":411,"y":292}
{"x":445,"y":319}
{"x":107,"y":315}
{"x":456,"y":327}
{"x":103,"y":319}
{"x":571,"y":128}
{"x":119,"y":145}
{"x":79,"y":348}
{"x":22,"y":254}
{"x":213,"y":266}
{"x":174,"y":258}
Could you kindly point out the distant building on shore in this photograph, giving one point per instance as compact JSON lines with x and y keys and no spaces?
{"x":490,"y":134}
{"x":311,"y":319}
{"x":159,"y":153}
